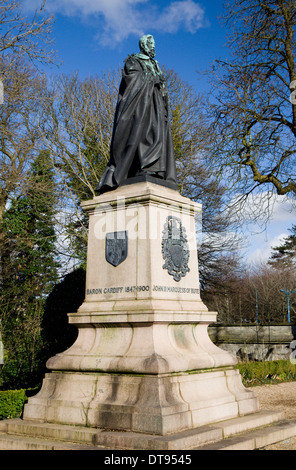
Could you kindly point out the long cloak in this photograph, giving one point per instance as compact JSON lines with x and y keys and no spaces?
{"x":141,"y":140}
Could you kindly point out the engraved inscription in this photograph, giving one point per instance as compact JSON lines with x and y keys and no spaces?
{"x":178,"y":290}
{"x":133,"y":289}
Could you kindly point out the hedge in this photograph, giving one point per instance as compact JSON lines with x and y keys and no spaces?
{"x":12,"y":403}
{"x":260,"y":373}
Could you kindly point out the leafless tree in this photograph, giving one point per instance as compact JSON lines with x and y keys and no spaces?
{"x":20,"y":137}
{"x":255,"y":295}
{"x":76,"y":126}
{"x":24,"y":36}
{"x":24,"y":42}
{"x":77,"y":130}
{"x":254,"y":113}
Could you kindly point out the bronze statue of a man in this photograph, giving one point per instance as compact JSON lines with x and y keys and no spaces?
{"x":141,"y":143}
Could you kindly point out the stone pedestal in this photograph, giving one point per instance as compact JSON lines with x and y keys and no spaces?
{"x":143,"y":360}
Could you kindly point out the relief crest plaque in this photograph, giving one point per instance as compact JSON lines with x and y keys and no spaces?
{"x":116,"y":247}
{"x":175,"y":248}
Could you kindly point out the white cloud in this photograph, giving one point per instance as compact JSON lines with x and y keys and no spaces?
{"x":264,"y":221}
{"x":118,"y":19}
{"x":264,"y":250}
{"x":182,"y":14}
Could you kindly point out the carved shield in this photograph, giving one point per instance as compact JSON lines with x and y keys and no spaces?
{"x":116,"y":247}
{"x":175,"y":249}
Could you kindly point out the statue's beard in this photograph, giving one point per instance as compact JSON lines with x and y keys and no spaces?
{"x":150,"y":53}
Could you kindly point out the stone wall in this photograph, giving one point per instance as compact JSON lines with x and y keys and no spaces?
{"x":255,"y":342}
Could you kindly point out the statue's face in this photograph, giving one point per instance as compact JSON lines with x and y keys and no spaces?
{"x":150,"y":47}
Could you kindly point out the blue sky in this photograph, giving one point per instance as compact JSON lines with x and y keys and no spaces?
{"x":93,"y":36}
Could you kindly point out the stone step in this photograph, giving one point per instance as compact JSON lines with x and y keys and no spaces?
{"x":76,"y":434}
{"x":190,"y":439}
{"x":247,"y":432}
{"x":17,"y":442}
{"x":17,"y":434}
{"x":257,"y":439}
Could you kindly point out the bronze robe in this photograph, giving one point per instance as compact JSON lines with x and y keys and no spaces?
{"x":141,"y":141}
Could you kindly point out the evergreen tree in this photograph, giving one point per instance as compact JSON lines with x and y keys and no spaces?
{"x":28,"y":272}
{"x":284,"y":256}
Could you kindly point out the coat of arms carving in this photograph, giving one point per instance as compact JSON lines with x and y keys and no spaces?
{"x":116,"y":247}
{"x":175,"y":248}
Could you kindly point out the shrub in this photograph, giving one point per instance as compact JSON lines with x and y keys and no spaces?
{"x":12,"y":403}
{"x":259,"y":373}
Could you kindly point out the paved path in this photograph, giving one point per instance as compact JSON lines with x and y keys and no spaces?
{"x":279,"y":397}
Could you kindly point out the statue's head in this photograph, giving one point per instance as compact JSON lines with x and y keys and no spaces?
{"x":147,"y":45}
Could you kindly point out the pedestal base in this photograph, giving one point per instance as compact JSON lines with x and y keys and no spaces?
{"x":143,"y":361}
{"x":148,"y":404}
